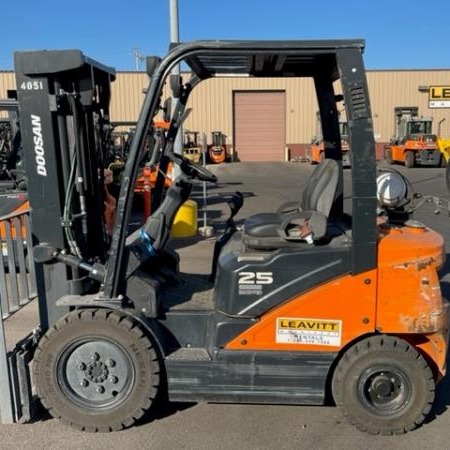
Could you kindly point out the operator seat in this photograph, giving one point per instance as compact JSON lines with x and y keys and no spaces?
{"x":298,"y":223}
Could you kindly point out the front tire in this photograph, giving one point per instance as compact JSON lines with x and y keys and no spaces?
{"x":96,"y":370}
{"x":384,"y":386}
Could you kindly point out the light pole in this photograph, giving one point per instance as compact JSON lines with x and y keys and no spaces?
{"x":174,"y":29}
{"x":174,"y":38}
{"x":138,"y":58}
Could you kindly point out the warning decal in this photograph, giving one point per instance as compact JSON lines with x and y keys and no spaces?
{"x":309,"y":331}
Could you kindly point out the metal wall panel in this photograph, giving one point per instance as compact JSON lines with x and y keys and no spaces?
{"x":389,"y":89}
{"x":212,"y":100}
{"x":212,"y":104}
{"x":7,"y":81}
{"x":127,"y":95}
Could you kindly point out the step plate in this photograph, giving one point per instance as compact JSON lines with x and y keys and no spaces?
{"x":251,"y":377}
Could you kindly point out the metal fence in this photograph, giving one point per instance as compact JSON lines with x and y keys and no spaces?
{"x":17,"y":289}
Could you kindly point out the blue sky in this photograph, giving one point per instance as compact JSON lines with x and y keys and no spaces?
{"x":399,"y":34}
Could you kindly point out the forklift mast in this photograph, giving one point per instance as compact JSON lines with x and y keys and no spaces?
{"x":64,"y":105}
{"x":217,"y":138}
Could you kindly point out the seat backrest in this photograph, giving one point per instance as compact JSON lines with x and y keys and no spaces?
{"x":320,"y":191}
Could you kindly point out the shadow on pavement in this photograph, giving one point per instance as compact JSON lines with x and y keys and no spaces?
{"x":160,"y":410}
{"x":163,"y":409}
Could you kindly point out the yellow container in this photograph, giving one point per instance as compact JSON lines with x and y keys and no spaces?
{"x":185,"y":222}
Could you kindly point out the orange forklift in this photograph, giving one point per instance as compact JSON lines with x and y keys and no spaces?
{"x":316,"y":151}
{"x":413,"y":143}
{"x":310,"y":304}
{"x":217,"y":152}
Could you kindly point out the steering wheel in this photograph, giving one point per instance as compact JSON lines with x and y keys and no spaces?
{"x":192,"y":169}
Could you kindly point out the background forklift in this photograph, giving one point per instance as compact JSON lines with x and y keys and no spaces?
{"x":316,"y":151}
{"x":217,"y":151}
{"x":302,"y":306}
{"x":413,"y":142}
{"x":192,"y":148}
{"x":13,"y":184}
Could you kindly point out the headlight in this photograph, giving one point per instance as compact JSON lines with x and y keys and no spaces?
{"x":391,"y":189}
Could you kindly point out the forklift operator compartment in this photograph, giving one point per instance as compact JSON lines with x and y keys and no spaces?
{"x":300,"y":306}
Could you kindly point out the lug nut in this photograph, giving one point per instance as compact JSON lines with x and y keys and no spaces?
{"x":113,"y":379}
{"x":81,"y":366}
{"x":110,"y":363}
{"x":95,"y":356}
{"x":84,"y":383}
{"x":100,"y":389}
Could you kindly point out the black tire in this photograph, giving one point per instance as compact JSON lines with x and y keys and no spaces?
{"x":409,"y":159}
{"x":384,"y":386}
{"x":96,"y":370}
{"x":388,"y":155}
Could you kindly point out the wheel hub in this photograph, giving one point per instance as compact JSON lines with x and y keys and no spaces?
{"x":383,"y":387}
{"x":96,"y":374}
{"x":384,"y":391}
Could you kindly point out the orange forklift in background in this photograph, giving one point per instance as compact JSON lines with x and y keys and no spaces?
{"x":217,"y":152}
{"x":149,"y":174}
{"x":316,"y":151}
{"x":413,"y":142}
{"x":307,"y":305}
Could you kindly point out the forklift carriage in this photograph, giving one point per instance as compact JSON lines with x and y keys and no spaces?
{"x":304,"y":305}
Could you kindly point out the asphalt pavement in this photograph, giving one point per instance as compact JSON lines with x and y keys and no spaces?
{"x":226,"y":426}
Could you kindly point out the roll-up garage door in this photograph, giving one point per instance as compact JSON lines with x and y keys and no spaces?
{"x":259,"y":125}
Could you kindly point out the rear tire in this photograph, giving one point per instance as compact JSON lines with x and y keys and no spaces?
{"x":384,"y":386}
{"x":96,"y":370}
{"x":409,"y":159}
